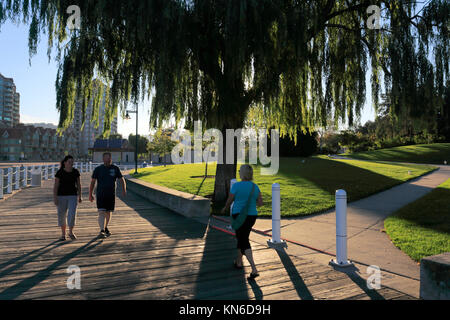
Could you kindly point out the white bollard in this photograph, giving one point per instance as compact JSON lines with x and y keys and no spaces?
{"x":46,"y":172}
{"x":9,"y":186}
{"x":276,"y":241}
{"x":1,"y":183}
{"x":232,"y":181}
{"x":17,"y":178}
{"x":25,"y":177}
{"x":90,"y":166}
{"x":341,"y":230}
{"x":36,"y":176}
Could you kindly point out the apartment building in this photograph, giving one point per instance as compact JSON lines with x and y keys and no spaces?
{"x":85,"y":135}
{"x":26,"y":142}
{"x":9,"y":103}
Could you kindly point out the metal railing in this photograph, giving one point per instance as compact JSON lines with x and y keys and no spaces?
{"x":16,"y":177}
{"x":122,"y":167}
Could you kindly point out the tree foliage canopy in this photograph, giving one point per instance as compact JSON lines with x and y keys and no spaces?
{"x":301,"y":62}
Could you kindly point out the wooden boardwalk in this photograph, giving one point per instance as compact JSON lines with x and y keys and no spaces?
{"x":152,"y":254}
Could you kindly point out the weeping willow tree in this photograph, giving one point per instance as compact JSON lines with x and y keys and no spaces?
{"x":300,"y":62}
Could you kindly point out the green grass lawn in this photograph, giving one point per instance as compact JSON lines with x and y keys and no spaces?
{"x":434,"y":153}
{"x":422,"y":228}
{"x":306,"y":187}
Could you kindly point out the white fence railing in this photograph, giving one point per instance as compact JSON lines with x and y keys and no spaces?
{"x":122,"y":167}
{"x":18,"y":177}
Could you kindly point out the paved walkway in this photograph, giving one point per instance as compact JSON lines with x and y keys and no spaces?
{"x":152,"y":254}
{"x":367,"y":241}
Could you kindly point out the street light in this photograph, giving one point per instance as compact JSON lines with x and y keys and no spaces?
{"x":127,"y":117}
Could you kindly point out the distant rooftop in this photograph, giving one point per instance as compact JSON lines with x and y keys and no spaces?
{"x":109,"y":144}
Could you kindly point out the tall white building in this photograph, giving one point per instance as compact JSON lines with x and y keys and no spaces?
{"x":86,"y":135}
{"x":9,"y":103}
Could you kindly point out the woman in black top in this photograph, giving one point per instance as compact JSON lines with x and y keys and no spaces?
{"x":65,"y":193}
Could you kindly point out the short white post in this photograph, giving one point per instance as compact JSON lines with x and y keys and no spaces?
{"x":46,"y":172}
{"x":25,"y":177}
{"x":90,"y":166}
{"x":17,"y":179}
{"x":232,"y":181}
{"x":27,"y":174}
{"x":1,"y":183}
{"x":9,"y":187}
{"x":276,"y":241}
{"x":341,"y":230}
{"x":36,"y":176}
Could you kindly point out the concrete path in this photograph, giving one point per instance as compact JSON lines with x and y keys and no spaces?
{"x":367,"y":242}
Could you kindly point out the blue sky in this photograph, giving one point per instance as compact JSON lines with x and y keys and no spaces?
{"x":36,"y":83}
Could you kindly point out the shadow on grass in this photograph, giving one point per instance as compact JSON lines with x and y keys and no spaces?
{"x":331,"y":175}
{"x":147,"y":173}
{"x":430,"y":211}
{"x":432,"y":154}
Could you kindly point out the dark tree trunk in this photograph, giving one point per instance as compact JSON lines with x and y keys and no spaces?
{"x":225,"y":172}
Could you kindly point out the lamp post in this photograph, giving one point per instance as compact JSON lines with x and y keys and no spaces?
{"x":127,"y":117}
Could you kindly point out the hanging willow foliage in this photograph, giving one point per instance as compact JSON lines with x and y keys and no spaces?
{"x":300,"y":62}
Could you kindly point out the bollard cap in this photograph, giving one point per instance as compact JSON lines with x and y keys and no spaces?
{"x":341,"y":194}
{"x":275,"y":186}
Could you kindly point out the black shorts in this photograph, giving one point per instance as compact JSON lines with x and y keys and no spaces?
{"x":106,"y":202}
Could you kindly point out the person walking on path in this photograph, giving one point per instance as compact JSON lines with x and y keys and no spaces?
{"x":106,"y":175}
{"x":65,"y":191}
{"x":246,"y":196}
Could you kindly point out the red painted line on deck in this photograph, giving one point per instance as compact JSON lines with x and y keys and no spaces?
{"x":270,"y":235}
{"x":306,"y":246}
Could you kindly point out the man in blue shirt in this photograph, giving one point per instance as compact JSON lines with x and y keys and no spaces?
{"x":106,"y":175}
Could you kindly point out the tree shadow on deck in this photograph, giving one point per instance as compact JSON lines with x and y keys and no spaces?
{"x":172,"y":224}
{"x":352,"y":273}
{"x":296,"y":279}
{"x":31,"y":256}
{"x":215,"y":275}
{"x":23,"y":286}
{"x":217,"y":278}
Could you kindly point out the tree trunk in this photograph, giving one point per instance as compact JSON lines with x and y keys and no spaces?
{"x":225,"y":172}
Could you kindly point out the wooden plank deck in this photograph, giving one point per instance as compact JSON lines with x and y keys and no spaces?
{"x":152,"y":254}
